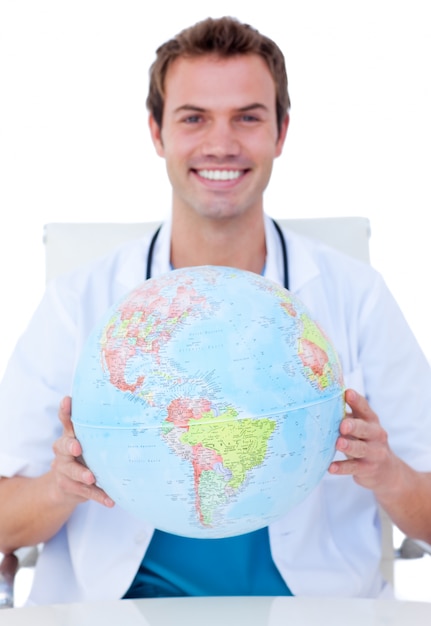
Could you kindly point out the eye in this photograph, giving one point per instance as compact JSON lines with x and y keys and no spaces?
{"x":192,"y":119}
{"x":248,"y":117}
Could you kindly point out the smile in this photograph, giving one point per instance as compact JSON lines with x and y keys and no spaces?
{"x":220,"y":174}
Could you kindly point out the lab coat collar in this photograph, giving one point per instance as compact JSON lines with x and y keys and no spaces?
{"x":302,"y":266}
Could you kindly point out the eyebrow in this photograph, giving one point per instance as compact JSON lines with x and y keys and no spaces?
{"x":189,"y":107}
{"x":249,"y":107}
{"x":253,"y":106}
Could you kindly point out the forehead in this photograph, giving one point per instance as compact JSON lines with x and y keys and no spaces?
{"x":210,"y":81}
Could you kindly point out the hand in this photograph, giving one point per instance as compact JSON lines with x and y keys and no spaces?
{"x":370,"y":460}
{"x":74,"y":481}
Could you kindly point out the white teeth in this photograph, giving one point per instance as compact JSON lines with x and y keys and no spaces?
{"x":220,"y":174}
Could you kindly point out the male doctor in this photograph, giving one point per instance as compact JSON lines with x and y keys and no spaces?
{"x":219,"y":115}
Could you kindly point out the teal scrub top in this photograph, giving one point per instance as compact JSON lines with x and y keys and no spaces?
{"x":235,"y":566}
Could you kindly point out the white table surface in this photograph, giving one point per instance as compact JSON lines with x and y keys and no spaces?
{"x":231,"y":611}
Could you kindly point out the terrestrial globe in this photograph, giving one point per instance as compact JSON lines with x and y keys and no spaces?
{"x":208,"y":401}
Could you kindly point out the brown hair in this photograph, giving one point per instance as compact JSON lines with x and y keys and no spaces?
{"x":223,"y":37}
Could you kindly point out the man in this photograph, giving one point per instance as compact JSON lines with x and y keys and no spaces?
{"x":219,"y":107}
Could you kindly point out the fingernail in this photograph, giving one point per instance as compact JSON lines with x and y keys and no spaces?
{"x":333,"y":468}
{"x":347,"y":426}
{"x":352,"y":394}
{"x":87,"y":476}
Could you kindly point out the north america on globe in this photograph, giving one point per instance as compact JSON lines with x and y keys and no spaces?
{"x":208,"y":401}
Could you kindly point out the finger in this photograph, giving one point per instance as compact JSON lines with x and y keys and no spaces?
{"x":64,"y":413}
{"x":72,"y":470}
{"x":67,"y":446}
{"x":355,"y":427}
{"x":76,"y":480}
{"x":353,"y":448}
{"x":98,"y":495}
{"x":344,"y":468}
{"x":363,"y":423}
{"x":85,"y":492}
{"x":359,"y":405}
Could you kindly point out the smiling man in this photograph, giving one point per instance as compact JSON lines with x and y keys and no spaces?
{"x":219,"y":114}
{"x":220,"y":135}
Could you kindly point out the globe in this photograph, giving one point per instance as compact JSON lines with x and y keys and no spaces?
{"x":208,"y":401}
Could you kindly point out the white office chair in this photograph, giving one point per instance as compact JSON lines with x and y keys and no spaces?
{"x":68,"y":245}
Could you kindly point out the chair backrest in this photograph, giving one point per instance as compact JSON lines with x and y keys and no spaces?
{"x":68,"y":245}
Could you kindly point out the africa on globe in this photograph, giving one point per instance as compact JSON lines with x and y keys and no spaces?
{"x":208,"y":401}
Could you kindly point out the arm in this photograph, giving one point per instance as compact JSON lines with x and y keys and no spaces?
{"x":404,"y":493}
{"x":34,"y":509}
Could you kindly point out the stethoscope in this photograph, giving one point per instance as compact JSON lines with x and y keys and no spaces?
{"x":283,"y":249}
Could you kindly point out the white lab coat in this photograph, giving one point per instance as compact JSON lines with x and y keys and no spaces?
{"x":330,"y":543}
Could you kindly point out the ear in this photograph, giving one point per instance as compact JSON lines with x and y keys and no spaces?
{"x":156,"y":136}
{"x":282,"y":136}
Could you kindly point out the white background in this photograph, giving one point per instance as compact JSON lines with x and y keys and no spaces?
{"x":74,"y":144}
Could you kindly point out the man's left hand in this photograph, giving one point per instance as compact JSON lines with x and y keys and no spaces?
{"x":365,"y":443}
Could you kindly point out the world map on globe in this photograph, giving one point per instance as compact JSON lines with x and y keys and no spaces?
{"x":208,"y":401}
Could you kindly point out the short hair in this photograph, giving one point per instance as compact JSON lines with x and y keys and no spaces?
{"x":223,"y":37}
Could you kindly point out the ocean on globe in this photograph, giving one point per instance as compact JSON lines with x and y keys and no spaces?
{"x":208,"y":401}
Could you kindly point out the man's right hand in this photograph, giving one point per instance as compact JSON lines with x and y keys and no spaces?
{"x":73,"y":479}
{"x":34,"y":509}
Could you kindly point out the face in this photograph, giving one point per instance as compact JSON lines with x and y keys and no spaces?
{"x":219,"y":134}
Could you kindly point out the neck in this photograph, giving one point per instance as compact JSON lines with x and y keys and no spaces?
{"x":232,"y":242}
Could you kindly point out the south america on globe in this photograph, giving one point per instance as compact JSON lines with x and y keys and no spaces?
{"x":208,"y":402}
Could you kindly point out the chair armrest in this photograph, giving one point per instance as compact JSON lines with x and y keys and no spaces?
{"x":413,"y":549}
{"x":8,"y":568}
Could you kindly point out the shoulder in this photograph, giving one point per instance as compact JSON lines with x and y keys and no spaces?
{"x":78,"y":298}
{"x":119,"y":269}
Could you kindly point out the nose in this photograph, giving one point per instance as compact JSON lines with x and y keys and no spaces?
{"x":220,"y":140}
